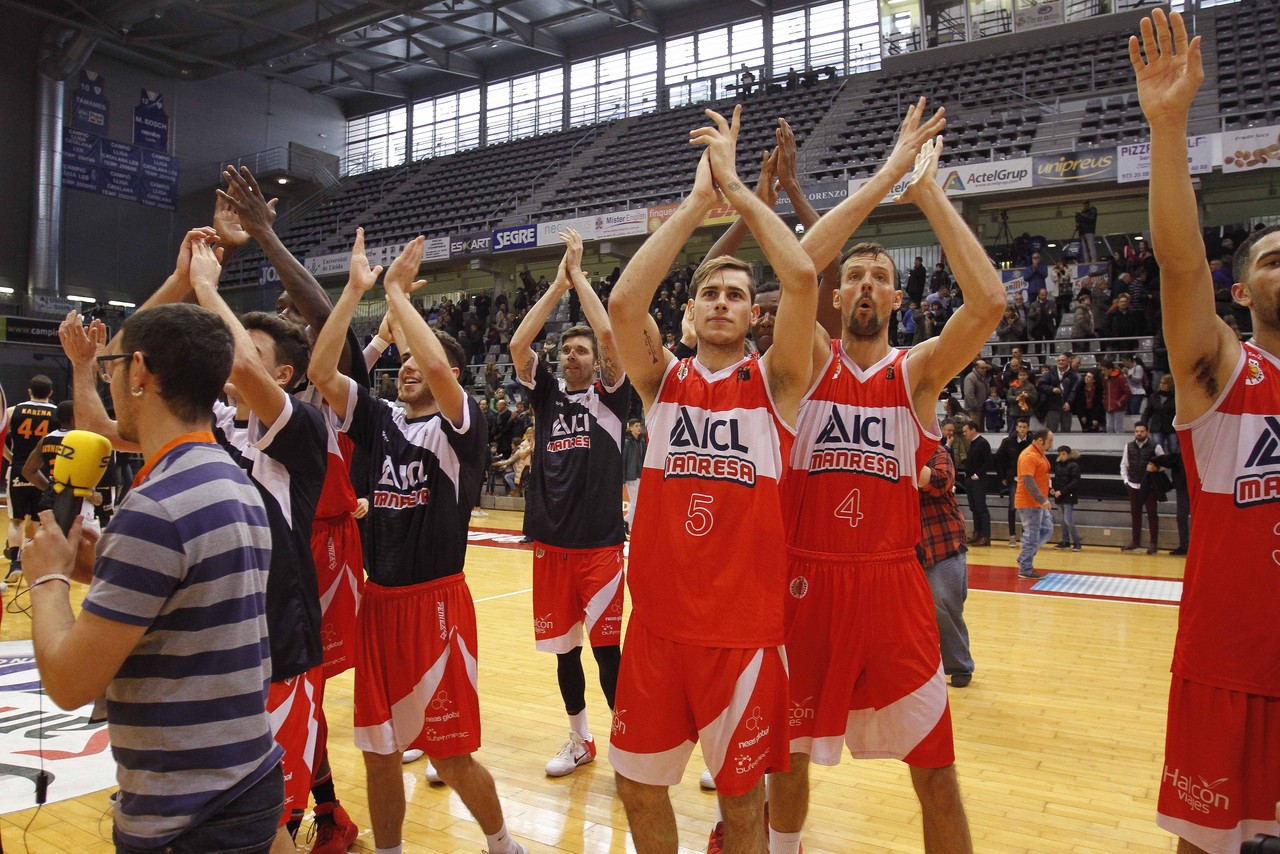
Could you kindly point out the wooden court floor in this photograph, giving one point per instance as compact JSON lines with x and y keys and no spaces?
{"x":1058,"y":739}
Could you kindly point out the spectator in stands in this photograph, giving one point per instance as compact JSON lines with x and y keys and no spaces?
{"x":1136,"y":373}
{"x":1021,"y":396}
{"x":1088,"y":404}
{"x":976,"y":385}
{"x":977,"y":463}
{"x":1172,"y":460}
{"x":1124,"y":323}
{"x":1082,"y":321}
{"x":1037,"y":276}
{"x":1062,"y":285}
{"x":522,"y":420}
{"x":1011,"y":327}
{"x":505,"y":422}
{"x":1221,"y":287}
{"x":1007,"y":467}
{"x":1087,"y":228}
{"x":1138,"y":470}
{"x":907,"y":324}
{"x":939,"y":278}
{"x":793,"y":79}
{"x":1115,"y":395}
{"x":1016,"y":362}
{"x":916,"y":279}
{"x":1020,"y":304}
{"x":941,"y":296}
{"x":1115,"y":266}
{"x":1057,"y":388}
{"x":634,"y":445}
{"x":1159,"y":411}
{"x":920,"y":323}
{"x":1042,"y":319}
{"x":518,"y":463}
{"x":938,"y":316}
{"x":993,"y":411}
{"x":1064,"y":489}
{"x":942,"y":554}
{"x":503,"y":324}
{"x":490,"y":418}
{"x":746,"y":81}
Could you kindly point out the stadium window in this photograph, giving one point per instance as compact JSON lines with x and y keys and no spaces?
{"x":446,"y":124}
{"x":899,"y":26}
{"x":704,"y":66}
{"x":375,"y":141}
{"x":944,"y":22}
{"x":525,"y":106}
{"x":989,"y":18}
{"x":864,"y":36}
{"x":812,"y":38}
{"x":613,"y":86}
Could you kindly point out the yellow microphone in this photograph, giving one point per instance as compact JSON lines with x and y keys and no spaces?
{"x":82,"y":459}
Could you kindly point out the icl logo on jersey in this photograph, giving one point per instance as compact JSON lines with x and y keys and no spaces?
{"x":700,"y":431}
{"x":856,"y":440}
{"x":572,"y":430}
{"x":1261,"y":434}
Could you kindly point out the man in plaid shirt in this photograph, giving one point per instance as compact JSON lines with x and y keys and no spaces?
{"x":942,"y":553}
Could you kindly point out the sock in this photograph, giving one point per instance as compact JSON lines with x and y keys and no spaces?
{"x":578,"y":723}
{"x":500,"y":842}
{"x":323,"y":792}
{"x":784,"y":843}
{"x":395,"y":849}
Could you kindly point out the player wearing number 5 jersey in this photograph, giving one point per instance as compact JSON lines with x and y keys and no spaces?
{"x":862,"y":642}
{"x":703,"y":648}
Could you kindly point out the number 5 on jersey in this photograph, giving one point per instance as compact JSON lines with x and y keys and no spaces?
{"x":700,"y":518}
{"x":849,"y":509}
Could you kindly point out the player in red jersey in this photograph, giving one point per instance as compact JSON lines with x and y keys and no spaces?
{"x":1221,"y":776}
{"x":709,"y":530}
{"x":861,"y":637}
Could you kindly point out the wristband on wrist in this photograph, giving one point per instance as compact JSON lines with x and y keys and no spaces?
{"x":53,"y":576}
{"x":380,"y":343}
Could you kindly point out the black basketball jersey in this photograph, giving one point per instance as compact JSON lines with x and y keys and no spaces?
{"x":30,"y":423}
{"x":573,"y":498}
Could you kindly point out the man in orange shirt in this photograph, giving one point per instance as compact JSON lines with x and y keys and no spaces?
{"x":1032,"y":501}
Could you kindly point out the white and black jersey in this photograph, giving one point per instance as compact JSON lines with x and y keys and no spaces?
{"x":287,"y":462}
{"x":424,"y":478}
{"x":573,"y":495}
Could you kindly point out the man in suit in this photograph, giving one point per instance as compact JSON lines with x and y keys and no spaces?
{"x":976,"y":465}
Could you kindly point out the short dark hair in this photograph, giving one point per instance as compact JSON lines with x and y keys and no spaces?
{"x":1042,"y":434}
{"x":293,"y":347}
{"x":1023,"y":420}
{"x":66,"y":414}
{"x":582,"y":330}
{"x":452,"y":349}
{"x":1243,"y":258}
{"x":972,"y":425}
{"x":40,"y":386}
{"x":865,"y":250}
{"x":190,"y":351}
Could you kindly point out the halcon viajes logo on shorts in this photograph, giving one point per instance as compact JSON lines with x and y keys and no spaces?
{"x":1196,"y":792}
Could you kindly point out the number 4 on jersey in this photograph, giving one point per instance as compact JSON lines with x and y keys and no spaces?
{"x":849,"y":509}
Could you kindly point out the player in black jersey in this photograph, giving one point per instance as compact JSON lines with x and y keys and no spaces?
{"x":417,"y":651}
{"x":29,"y":422}
{"x":573,"y":503}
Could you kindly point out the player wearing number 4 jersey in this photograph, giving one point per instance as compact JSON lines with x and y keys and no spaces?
{"x":704,"y":646}
{"x":1220,"y":781}
{"x":862,"y":642}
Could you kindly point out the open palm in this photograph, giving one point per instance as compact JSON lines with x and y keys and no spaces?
{"x":1172,"y":73}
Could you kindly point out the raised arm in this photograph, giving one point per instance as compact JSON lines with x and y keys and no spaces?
{"x":416,"y":336}
{"x":766,"y":190}
{"x":255,"y":386}
{"x":522,"y":352}
{"x":788,"y":361}
{"x":382,"y":339}
{"x":81,"y":345}
{"x":639,"y":342}
{"x":933,"y":363}
{"x":1202,"y":349}
{"x":325,"y":353}
{"x":593,"y":310}
{"x":257,"y":217}
{"x":824,"y":241}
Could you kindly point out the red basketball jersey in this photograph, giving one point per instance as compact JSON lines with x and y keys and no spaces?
{"x":337,"y":497}
{"x":1231,"y":589}
{"x":858,"y":453}
{"x":708,"y":553}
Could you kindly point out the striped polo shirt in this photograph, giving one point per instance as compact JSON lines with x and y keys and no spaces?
{"x":186,"y":555}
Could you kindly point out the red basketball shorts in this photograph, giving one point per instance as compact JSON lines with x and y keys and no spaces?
{"x":335,"y":545}
{"x":294,"y":708}
{"x":866,"y":668}
{"x":670,"y":695}
{"x":415,"y":680}
{"x":572,"y":587}
{"x":1221,"y":777}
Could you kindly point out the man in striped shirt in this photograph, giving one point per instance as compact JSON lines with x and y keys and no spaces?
{"x":179,"y":587}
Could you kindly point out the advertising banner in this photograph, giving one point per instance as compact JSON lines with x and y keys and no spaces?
{"x":857,"y":184}
{"x":1034,"y":14}
{"x":470,"y":244}
{"x":89,"y":104}
{"x":328,"y":265}
{"x":617,"y":224}
{"x":151,"y":122}
{"x":1250,"y":148}
{"x":515,"y":237}
{"x":1014,"y":282}
{"x":987,"y":177}
{"x":28,"y":330}
{"x":659,"y":215}
{"x":1096,"y":164}
{"x":436,"y":249}
{"x":1133,"y":162}
{"x":823,"y":195}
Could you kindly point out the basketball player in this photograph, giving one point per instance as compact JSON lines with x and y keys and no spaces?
{"x":243,"y":213}
{"x":1221,"y":776}
{"x":30,"y":421}
{"x":862,"y":641}
{"x":719,"y":428}
{"x":416,"y":657}
{"x":573,"y":502}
